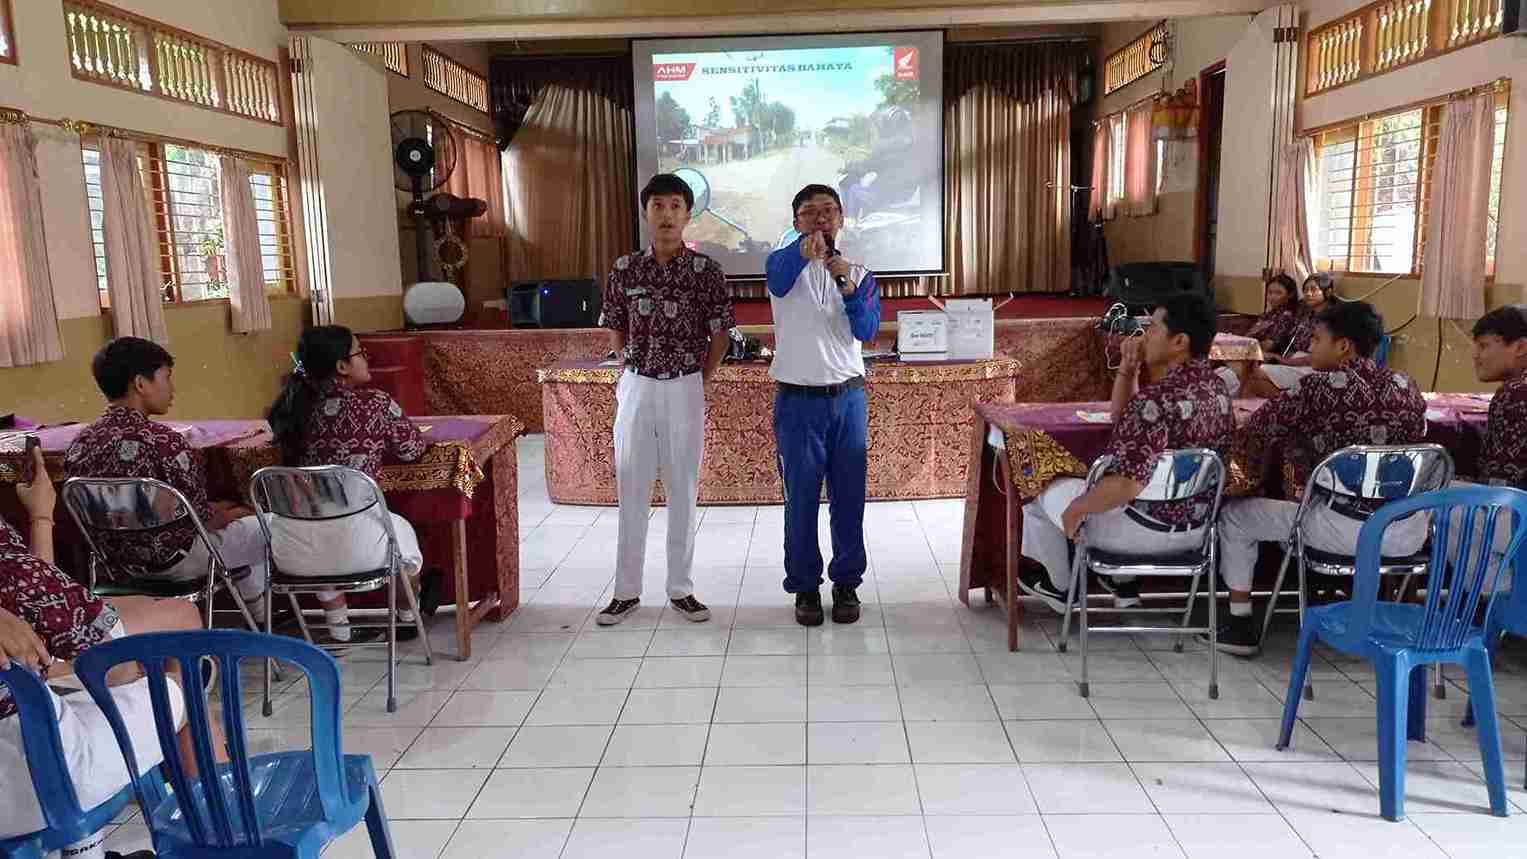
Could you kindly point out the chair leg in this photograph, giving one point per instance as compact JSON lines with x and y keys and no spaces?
{"x":1415,"y":711}
{"x":1482,"y":689}
{"x":270,"y":614}
{"x":243,"y":607}
{"x":1304,"y":590}
{"x":377,"y":827}
{"x":1394,"y":689}
{"x":1277,"y":590}
{"x":302,"y":622}
{"x":413,"y":606}
{"x":1187,"y":612}
{"x":1439,"y":689}
{"x":1065,"y":621}
{"x":392,"y":640}
{"x":1079,"y":583}
{"x":1296,"y":677}
{"x":1213,"y":624}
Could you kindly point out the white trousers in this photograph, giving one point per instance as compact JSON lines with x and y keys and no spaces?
{"x":242,"y":544}
{"x":1245,"y":522}
{"x":1286,"y":376}
{"x":1498,"y":544}
{"x":354,"y":544}
{"x":659,"y":431}
{"x":1044,"y":540}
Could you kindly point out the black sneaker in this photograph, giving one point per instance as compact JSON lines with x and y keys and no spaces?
{"x":808,"y":609}
{"x":845,"y":604}
{"x":406,"y":629}
{"x":430,"y":591}
{"x":617,"y":611}
{"x":358,"y":635}
{"x":1125,"y":594}
{"x":1237,"y":636}
{"x":691,"y":608}
{"x":1035,"y":582}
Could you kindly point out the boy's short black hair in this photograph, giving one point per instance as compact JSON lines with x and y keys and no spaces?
{"x":1194,"y":316}
{"x":667,"y":183}
{"x":1356,"y":321}
{"x":1509,"y":323}
{"x":125,"y":359}
{"x":810,"y":191}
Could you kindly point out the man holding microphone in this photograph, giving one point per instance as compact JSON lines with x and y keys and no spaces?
{"x":824,"y":307}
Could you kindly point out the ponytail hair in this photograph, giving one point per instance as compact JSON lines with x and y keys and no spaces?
{"x":314,"y":365}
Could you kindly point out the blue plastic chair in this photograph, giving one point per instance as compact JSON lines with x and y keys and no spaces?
{"x":1400,"y":638}
{"x":286,"y":804}
{"x":66,"y":822}
{"x":1381,"y":353}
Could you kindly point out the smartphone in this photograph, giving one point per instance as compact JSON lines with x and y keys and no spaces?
{"x":28,"y":459}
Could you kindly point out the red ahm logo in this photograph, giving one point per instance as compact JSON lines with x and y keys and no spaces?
{"x":672,"y":71}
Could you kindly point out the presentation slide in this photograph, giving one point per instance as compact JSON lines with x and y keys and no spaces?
{"x":748,"y":122}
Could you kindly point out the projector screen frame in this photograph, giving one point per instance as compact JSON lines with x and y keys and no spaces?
{"x":643,"y":50}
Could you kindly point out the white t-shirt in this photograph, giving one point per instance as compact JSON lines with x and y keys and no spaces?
{"x":813,"y":341}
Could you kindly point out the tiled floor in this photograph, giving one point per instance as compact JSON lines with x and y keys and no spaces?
{"x":913,"y":733}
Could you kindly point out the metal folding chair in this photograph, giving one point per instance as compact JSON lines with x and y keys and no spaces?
{"x":129,"y":508}
{"x":330,"y":493}
{"x":1360,"y":473}
{"x":1193,"y":474}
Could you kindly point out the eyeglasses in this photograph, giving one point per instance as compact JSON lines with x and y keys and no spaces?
{"x":813,"y":214}
{"x":359,"y":353}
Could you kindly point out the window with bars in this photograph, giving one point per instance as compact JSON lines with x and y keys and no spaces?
{"x":7,"y":34}
{"x":454,"y":80}
{"x":1374,"y":179}
{"x":112,"y":46}
{"x":1145,"y":54}
{"x":184,"y":188}
{"x":1389,"y":34}
{"x":394,"y":55}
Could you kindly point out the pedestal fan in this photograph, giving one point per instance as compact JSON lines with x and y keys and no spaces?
{"x":424,"y":154}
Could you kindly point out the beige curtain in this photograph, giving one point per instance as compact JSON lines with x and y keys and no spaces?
{"x":1007,"y":167}
{"x":1297,"y":187}
{"x":568,"y":176}
{"x":1100,"y":206}
{"x":28,"y":319}
{"x":241,"y":249}
{"x":133,"y":279}
{"x":479,"y":174}
{"x":1139,"y":161}
{"x":1453,"y":262}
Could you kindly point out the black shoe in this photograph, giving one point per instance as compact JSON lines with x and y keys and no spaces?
{"x":808,"y":609}
{"x":362,"y":635}
{"x":1237,"y":636}
{"x":141,"y":854}
{"x":845,"y":604}
{"x":1125,"y":594}
{"x":1035,"y":582}
{"x":406,"y":629}
{"x":692,"y":609}
{"x":430,"y":591}
{"x":617,"y":611}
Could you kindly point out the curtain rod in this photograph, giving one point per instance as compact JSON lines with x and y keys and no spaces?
{"x":83,"y":128}
{"x":1131,"y":106}
{"x":462,"y":126}
{"x":1497,"y":85}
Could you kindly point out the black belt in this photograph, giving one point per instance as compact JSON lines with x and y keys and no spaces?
{"x":1342,"y":506}
{"x":632,"y":368}
{"x":823,"y":390}
{"x":1145,"y":521}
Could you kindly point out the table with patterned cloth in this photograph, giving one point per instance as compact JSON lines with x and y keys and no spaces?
{"x":919,"y":417}
{"x":461,"y":496}
{"x":1016,"y":450}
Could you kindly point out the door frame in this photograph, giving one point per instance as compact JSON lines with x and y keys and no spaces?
{"x":1201,"y":201}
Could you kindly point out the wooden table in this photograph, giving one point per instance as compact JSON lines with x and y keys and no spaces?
{"x":1017,"y":449}
{"x":461,"y":497}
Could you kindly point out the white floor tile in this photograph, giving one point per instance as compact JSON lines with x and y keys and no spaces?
{"x":835,"y":790}
{"x":569,"y":706}
{"x":523,"y":839}
{"x":1473,"y":836}
{"x":974,"y":789}
{"x":1041,"y":701}
{"x":1250,"y":740}
{"x":1244,"y":836}
{"x":430,"y":794}
{"x":1297,"y":788}
{"x":689,"y":642}
{"x":1356,"y":835}
{"x":743,"y":838}
{"x":457,"y":748}
{"x":764,"y":671}
{"x":1009,"y":837}
{"x":741,"y":745}
{"x":595,"y":673}
{"x":881,"y":837}
{"x":768,"y":642}
{"x":1165,"y":740}
{"x":647,"y":839}
{"x":471,"y":708}
{"x":559,"y":746}
{"x":512,"y":793}
{"x":1137,"y":701}
{"x":856,"y":743}
{"x":384,"y":745}
{"x":854,"y":704}
{"x":1083,"y":788}
{"x":749,"y":704}
{"x":751,"y":791}
{"x":959,"y":743}
{"x":948,"y":704}
{"x":641,"y":792}
{"x":1198,"y":788}
{"x":422,"y":838}
{"x":1069,"y":740}
{"x":669,"y":707}
{"x":679,"y":672}
{"x":936,"y":669}
{"x":1441,"y":787}
{"x":851,"y":670}
{"x":1111,"y":836}
{"x":604,"y":642}
{"x":656,"y":745}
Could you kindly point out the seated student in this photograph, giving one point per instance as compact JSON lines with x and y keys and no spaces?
{"x":1184,"y":405}
{"x":1289,"y":362}
{"x":45,"y":616}
{"x":1347,"y":400}
{"x":324,"y":416}
{"x":137,"y":377}
{"x":1273,"y":328}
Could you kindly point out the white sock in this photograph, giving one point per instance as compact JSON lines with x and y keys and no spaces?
{"x":1240,"y":609}
{"x":339,"y":623}
{"x":406,"y":615}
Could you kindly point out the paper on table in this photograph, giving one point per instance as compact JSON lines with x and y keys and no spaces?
{"x":426,"y":427}
{"x":1095,"y":417}
{"x":1435,"y":414}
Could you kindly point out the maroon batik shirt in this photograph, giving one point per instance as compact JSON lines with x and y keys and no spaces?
{"x":667,"y":312}
{"x":1357,"y":403}
{"x":1503,"y":460}
{"x":124,"y":443}
{"x":1301,"y":332}
{"x":1187,"y":408}
{"x":1276,"y":326}
{"x":67,"y":617}
{"x":360,"y":428}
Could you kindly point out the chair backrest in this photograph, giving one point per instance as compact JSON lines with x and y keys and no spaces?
{"x":45,"y":755}
{"x":319,"y":493}
{"x":1462,"y":574}
{"x":126,"y":506}
{"x":1191,"y":474}
{"x":222,"y":813}
{"x":1378,"y":473}
{"x":1381,"y":353}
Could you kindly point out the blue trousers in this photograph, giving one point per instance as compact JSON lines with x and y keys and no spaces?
{"x":822,"y":438}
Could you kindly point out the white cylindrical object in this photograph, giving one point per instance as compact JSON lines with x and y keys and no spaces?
{"x":93,"y":847}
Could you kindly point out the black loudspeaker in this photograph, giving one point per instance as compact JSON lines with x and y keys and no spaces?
{"x":554,"y":303}
{"x":1143,"y":285}
{"x":1512,"y":13}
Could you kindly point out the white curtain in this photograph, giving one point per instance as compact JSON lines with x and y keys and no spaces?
{"x":28,"y":319}
{"x":1139,"y":162}
{"x":1453,"y":264}
{"x":134,"y":282}
{"x":1298,"y":188}
{"x":1101,"y":206}
{"x":241,"y":249}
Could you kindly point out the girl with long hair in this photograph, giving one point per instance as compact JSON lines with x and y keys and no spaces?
{"x":325,"y":415}
{"x":1283,"y":368}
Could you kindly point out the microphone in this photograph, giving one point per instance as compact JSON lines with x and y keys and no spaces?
{"x":832,"y":251}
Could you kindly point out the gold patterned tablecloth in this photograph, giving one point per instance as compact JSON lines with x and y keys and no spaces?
{"x":919,"y":417}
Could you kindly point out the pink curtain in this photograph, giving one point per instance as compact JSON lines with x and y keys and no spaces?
{"x":28,"y":319}
{"x":133,"y":279}
{"x":247,"y":300}
{"x":1139,"y":162}
{"x":478,"y":174}
{"x":1453,"y":262}
{"x":1297,"y":188}
{"x":1100,"y":206}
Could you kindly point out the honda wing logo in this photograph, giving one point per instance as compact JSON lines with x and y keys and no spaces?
{"x":905,"y":61}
